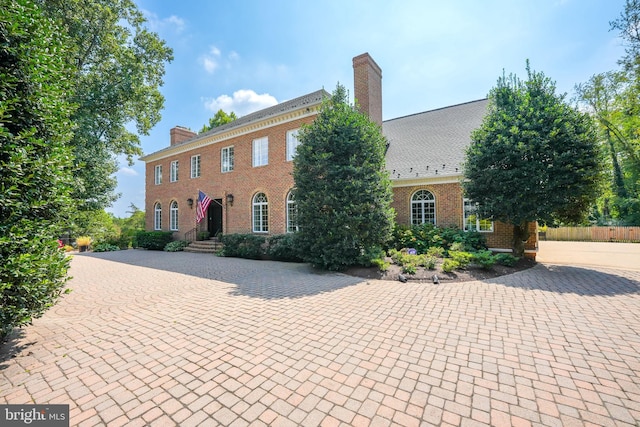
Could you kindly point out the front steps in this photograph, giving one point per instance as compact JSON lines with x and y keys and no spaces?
{"x":210,"y":246}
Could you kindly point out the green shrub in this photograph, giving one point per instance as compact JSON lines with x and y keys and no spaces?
{"x":105,"y":247}
{"x":203,"y":235}
{"x":249,"y":246}
{"x":153,"y":240}
{"x":176,"y":246}
{"x":409,"y":268}
{"x":462,"y":258}
{"x":283,"y":247}
{"x":381,"y":264}
{"x":507,"y":260}
{"x":484,"y":258}
{"x":368,"y":255}
{"x":448,"y":265}
{"x":436,"y":251}
{"x":429,"y":262}
{"x":423,"y":237}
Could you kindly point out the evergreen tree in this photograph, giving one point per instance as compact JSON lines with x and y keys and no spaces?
{"x":34,"y":160}
{"x":535,"y":158}
{"x":343,"y":192}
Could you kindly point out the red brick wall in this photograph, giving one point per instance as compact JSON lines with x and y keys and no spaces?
{"x":449,"y":205}
{"x":274,"y":179}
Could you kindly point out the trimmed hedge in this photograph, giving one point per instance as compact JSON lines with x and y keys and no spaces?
{"x":243,"y":246}
{"x":153,"y":240}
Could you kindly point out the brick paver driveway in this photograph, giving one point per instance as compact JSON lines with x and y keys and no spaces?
{"x":155,"y":338}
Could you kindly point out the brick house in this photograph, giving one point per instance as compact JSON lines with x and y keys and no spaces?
{"x":246,"y":168}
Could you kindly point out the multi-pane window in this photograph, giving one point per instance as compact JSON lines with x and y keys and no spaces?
{"x":195,"y":166}
{"x":292,"y":214}
{"x":292,"y":143}
{"x":227,"y":159}
{"x":158,"y":174}
{"x":260,"y":213}
{"x":157,"y":216}
{"x":174,"y":171}
{"x":261,"y":151}
{"x":473,"y":221}
{"x":423,"y":208}
{"x":173,"y":216}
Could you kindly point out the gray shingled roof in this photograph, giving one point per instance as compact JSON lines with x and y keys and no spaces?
{"x":312,"y":98}
{"x":433,"y":143}
{"x":283,"y":107}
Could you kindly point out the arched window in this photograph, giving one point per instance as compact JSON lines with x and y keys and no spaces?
{"x":260,"y":213}
{"x":423,"y":208}
{"x":157,"y":216}
{"x":173,"y":217}
{"x":292,"y":213}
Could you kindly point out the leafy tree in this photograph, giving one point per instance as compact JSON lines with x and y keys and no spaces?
{"x":604,"y":97}
{"x":534,"y":157}
{"x":220,"y":118}
{"x":35,"y":162}
{"x":343,"y":193}
{"x":118,"y":69}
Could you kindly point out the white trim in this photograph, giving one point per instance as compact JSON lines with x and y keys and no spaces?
{"x":232,"y":164}
{"x":198,"y":169}
{"x":305,"y":111}
{"x":414,"y":182}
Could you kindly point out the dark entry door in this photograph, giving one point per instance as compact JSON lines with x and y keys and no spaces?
{"x":214,"y":217}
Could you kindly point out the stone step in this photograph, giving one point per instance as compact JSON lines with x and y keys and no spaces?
{"x":204,"y":246}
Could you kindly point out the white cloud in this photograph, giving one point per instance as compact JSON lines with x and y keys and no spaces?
{"x":157,"y":24}
{"x":128,"y":172}
{"x":242,"y":102}
{"x":210,"y":60}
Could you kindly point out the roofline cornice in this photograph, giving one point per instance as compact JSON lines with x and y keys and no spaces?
{"x":305,"y":111}
{"x":412,"y":182}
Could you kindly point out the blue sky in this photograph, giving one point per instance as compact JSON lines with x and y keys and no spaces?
{"x":247,"y":55}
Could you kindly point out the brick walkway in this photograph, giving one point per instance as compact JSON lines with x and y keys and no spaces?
{"x":161,"y":339}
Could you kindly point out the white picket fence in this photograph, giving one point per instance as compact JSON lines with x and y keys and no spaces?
{"x":593,"y":234}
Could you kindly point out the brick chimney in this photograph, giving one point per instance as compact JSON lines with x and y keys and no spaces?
{"x":180,"y":134}
{"x":367,"y":86}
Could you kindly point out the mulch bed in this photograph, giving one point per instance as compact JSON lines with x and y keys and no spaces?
{"x":422,"y":274}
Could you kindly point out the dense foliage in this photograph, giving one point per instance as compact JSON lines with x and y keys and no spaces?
{"x":153,"y":240}
{"x":535,"y":157}
{"x":118,"y":66}
{"x":343,"y":192}
{"x":220,"y":118}
{"x":35,"y":162}
{"x":426,"y":236}
{"x":613,"y":99}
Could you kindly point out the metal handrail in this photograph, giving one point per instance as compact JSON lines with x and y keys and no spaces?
{"x":191,"y":235}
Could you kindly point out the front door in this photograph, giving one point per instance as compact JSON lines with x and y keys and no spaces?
{"x":214,"y":217}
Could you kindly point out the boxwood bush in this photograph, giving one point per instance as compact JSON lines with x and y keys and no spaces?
{"x":243,"y":246}
{"x":153,"y":240}
{"x":282,"y":247}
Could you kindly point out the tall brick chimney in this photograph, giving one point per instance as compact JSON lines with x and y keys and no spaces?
{"x":180,"y":134}
{"x":367,"y":86}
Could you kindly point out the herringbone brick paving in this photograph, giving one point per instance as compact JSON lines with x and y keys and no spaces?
{"x":161,"y":339}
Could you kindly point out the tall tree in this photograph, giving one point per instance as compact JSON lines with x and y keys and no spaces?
{"x":535,"y":157}
{"x":35,"y":162}
{"x":220,"y":118}
{"x":343,"y":192}
{"x":119,"y":66}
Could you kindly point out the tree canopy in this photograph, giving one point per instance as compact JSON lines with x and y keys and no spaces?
{"x":118,"y":66}
{"x":343,"y":192}
{"x":220,"y":118}
{"x":535,"y":157}
{"x":613,"y":99}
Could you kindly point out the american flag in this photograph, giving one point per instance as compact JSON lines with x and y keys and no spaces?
{"x":202,"y":205}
